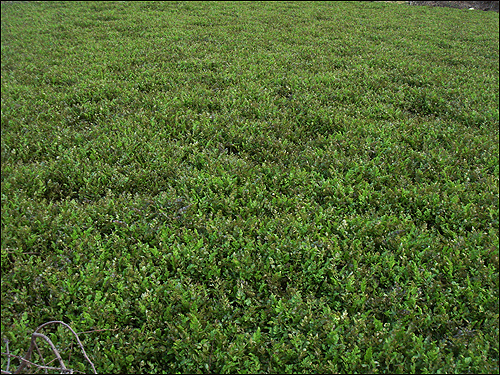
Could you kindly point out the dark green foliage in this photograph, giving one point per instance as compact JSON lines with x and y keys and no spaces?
{"x":273,"y":187}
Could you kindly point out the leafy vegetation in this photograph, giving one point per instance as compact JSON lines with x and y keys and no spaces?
{"x":278,"y":187}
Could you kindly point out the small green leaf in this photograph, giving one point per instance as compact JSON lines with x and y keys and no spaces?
{"x":368,"y":354}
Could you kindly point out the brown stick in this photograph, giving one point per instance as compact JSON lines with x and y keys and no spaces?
{"x":77,"y":339}
{"x":26,"y":360}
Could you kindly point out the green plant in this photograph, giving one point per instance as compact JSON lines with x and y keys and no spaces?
{"x":252,"y":187}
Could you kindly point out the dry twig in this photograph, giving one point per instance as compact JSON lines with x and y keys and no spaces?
{"x":25,"y":361}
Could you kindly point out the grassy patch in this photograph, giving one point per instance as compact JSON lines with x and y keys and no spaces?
{"x":279,"y":187}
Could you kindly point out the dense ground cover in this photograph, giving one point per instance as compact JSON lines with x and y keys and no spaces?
{"x":252,"y":187}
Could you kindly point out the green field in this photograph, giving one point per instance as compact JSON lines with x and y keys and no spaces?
{"x":251,"y":187}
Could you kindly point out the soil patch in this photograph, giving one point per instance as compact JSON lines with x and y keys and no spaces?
{"x":479,"y":5}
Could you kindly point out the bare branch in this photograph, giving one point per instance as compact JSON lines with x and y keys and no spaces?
{"x":77,"y":339}
{"x":26,"y":360}
{"x":6,"y":341}
{"x":32,"y":364}
{"x":41,"y":356}
{"x":52,"y":346}
{"x":98,"y":330}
